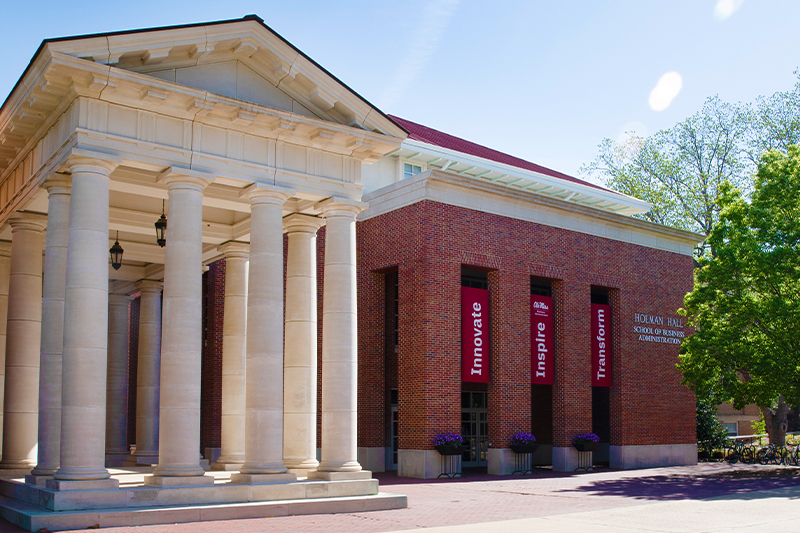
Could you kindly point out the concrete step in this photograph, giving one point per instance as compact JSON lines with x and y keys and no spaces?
{"x":33,"y":518}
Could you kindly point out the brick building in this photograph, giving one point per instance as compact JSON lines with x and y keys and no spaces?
{"x":444,"y":214}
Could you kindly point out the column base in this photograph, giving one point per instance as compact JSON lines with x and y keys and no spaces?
{"x":257,"y":479}
{"x":500,"y":462}
{"x":16,"y":465}
{"x":565,"y":459}
{"x":35,"y":479}
{"x":116,"y":459}
{"x":177,"y":481}
{"x":333,"y":466}
{"x":87,"y":484}
{"x":227,"y":467}
{"x":141,"y":460}
{"x":340,"y":476}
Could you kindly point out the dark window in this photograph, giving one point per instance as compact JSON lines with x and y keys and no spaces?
{"x":541,"y":287}
{"x":476,"y":279}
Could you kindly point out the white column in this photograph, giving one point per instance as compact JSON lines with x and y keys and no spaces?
{"x":181,"y":333}
{"x":5,"y":265}
{"x":234,"y":337}
{"x":264,"y":367}
{"x":52,"y":345}
{"x":148,"y":369}
{"x":300,"y":365}
{"x":83,"y":393}
{"x":21,"y":417}
{"x":339,"y":339}
{"x":117,"y":381}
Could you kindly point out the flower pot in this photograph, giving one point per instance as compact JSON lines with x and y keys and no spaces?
{"x":451,"y":450}
{"x":586,"y":446}
{"x":524,"y":448}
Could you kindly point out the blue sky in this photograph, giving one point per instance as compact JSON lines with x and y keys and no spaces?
{"x":546,"y":81}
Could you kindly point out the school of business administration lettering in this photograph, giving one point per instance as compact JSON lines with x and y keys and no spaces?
{"x":657,"y":333}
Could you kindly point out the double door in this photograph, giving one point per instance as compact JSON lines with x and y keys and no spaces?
{"x":475,"y":428}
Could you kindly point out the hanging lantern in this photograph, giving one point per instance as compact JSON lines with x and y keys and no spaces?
{"x":161,"y":228}
{"x":116,"y":254}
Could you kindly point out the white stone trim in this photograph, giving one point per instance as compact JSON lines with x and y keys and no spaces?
{"x":627,"y":457}
{"x":487,"y":197}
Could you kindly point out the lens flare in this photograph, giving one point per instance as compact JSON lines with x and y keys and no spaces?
{"x":665,"y":91}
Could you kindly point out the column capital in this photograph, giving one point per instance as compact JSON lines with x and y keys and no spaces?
{"x":27,"y":221}
{"x":149,"y":285}
{"x":234,"y":249}
{"x":185,"y":178}
{"x":81,"y":160}
{"x":297,"y":223}
{"x":5,"y":249}
{"x":58,"y":184}
{"x":262,"y":193}
{"x":341,"y":207}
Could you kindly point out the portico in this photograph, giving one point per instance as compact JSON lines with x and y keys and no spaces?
{"x":245,"y":138}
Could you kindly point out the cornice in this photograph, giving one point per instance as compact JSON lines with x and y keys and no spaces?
{"x":489,"y":197}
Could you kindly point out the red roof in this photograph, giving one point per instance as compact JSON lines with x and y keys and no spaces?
{"x":418,"y":132}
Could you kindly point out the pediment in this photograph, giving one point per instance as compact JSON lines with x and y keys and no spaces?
{"x":241,"y":59}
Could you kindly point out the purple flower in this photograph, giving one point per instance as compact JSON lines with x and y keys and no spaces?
{"x":448,"y":439}
{"x":522,"y":438}
{"x":585,"y":438}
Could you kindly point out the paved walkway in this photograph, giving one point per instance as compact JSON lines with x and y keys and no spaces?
{"x":708,"y":497}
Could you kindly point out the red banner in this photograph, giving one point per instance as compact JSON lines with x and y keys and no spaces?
{"x":474,"y":335}
{"x":541,"y":340}
{"x":601,"y":345}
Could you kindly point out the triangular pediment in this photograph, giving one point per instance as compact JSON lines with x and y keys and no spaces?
{"x":242,"y":59}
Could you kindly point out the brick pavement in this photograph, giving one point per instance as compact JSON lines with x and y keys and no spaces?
{"x":480,"y":498}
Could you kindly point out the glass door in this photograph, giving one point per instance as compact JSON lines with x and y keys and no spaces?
{"x":475,"y":428}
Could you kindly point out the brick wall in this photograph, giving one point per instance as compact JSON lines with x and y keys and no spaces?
{"x":133,"y":360}
{"x":429,"y":241}
{"x":211,"y":381}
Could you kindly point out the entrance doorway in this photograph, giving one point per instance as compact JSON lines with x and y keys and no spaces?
{"x":475,"y":428}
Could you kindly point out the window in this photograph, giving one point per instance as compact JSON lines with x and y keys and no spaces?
{"x":732,"y":428}
{"x":409,"y":170}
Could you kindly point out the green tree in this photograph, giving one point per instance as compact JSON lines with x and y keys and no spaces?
{"x":711,"y":434}
{"x":745,"y":306}
{"x":680,"y":170}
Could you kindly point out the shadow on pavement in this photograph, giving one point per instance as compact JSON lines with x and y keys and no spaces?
{"x":742,"y":485}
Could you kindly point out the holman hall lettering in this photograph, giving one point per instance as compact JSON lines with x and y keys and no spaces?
{"x":601,"y":345}
{"x":656,"y":328}
{"x":541,"y":340}
{"x":474,"y":335}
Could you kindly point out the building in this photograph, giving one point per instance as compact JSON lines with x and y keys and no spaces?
{"x":262,"y":163}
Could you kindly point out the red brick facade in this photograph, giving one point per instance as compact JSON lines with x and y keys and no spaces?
{"x":425,"y":245}
{"x":428,"y":242}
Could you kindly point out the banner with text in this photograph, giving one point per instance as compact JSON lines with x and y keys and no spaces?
{"x":601,"y":345}
{"x":474,"y":335}
{"x":541,"y":340}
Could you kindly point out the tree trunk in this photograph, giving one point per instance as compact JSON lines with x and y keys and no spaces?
{"x":776,"y":422}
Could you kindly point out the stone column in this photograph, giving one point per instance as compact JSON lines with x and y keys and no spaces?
{"x":264,"y":367}
{"x":300,"y":364}
{"x":339,"y":342}
{"x":117,"y":381}
{"x":21,"y":417}
{"x":148,"y":373}
{"x":83,"y":393}
{"x":181,"y":333}
{"x":52,"y":345}
{"x":5,"y":265}
{"x":234,"y":336}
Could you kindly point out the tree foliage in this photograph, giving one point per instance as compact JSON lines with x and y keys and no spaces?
{"x":680,"y":170}
{"x":745,"y":306}
{"x":711,"y":435}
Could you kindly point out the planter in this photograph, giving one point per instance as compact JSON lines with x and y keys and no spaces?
{"x":586,"y":446}
{"x":451,"y":450}
{"x":524,"y":448}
